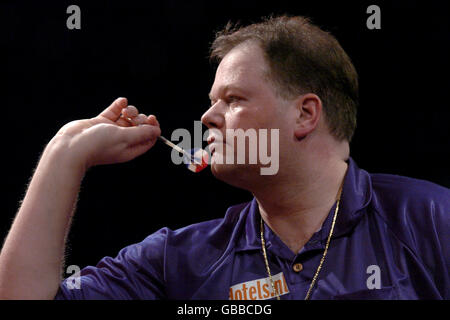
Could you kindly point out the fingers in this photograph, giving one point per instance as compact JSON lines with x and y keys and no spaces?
{"x":141,"y":119}
{"x":140,"y":128}
{"x":138,"y":139}
{"x":143,"y":134}
{"x":130,"y":112}
{"x":128,"y":121}
{"x":123,"y":122}
{"x":126,"y":115}
{"x":132,"y":117}
{"x":113,"y":111}
{"x":152,"y":120}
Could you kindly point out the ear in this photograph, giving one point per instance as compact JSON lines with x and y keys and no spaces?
{"x":309,"y":111}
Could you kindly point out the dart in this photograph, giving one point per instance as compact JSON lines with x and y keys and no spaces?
{"x":195,"y":160}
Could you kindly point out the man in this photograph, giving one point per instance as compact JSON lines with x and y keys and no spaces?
{"x":320,"y":228}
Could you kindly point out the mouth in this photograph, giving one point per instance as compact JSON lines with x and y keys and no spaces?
{"x":212,"y":142}
{"x":212,"y":148}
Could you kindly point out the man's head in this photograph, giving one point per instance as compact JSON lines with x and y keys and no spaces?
{"x":283,"y":73}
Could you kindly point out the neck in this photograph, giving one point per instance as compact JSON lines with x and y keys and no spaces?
{"x":296,"y":206}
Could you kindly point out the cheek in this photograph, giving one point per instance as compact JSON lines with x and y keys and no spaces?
{"x":240,"y":118}
{"x":247,"y":117}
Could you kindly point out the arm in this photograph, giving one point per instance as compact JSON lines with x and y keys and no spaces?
{"x":32,"y":256}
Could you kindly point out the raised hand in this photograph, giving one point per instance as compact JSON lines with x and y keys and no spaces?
{"x":118,"y":134}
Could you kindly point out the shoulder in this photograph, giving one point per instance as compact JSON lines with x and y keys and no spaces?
{"x":408,"y":195}
{"x":215,"y":231}
{"x":410,"y":187}
{"x":201,"y":243}
{"x":416,"y":211}
{"x":210,"y":235}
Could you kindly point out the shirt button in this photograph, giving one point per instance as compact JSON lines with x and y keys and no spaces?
{"x":297,"y":267}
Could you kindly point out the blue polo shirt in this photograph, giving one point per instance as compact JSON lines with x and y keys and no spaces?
{"x":391,"y":241}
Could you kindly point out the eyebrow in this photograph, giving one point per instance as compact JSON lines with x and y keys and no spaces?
{"x":225,"y":89}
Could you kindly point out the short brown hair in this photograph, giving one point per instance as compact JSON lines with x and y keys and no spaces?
{"x":302,"y":58}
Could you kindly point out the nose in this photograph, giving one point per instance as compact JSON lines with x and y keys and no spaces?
{"x":214,"y":116}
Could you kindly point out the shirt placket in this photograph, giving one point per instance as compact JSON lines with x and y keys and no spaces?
{"x":298,"y":269}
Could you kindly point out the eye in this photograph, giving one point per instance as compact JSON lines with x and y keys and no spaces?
{"x":231,"y":99}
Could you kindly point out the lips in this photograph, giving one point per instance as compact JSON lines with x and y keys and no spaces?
{"x":212,"y":142}
{"x":212,"y":147}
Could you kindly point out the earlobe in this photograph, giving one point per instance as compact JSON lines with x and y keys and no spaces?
{"x":300,"y":133}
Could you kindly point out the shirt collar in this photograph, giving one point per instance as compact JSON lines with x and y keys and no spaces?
{"x":356,"y":196}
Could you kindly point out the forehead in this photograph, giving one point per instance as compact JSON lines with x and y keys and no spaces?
{"x":244,"y":67}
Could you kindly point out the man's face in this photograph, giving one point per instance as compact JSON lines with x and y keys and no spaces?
{"x":243,"y":98}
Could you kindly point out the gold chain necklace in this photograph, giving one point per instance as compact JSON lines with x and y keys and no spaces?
{"x":313,"y":282}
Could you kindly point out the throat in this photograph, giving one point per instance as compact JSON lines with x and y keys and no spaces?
{"x":294,"y":212}
{"x":295,"y":246}
{"x":295,"y":234}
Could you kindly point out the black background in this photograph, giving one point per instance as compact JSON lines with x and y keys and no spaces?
{"x":155,"y":54}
